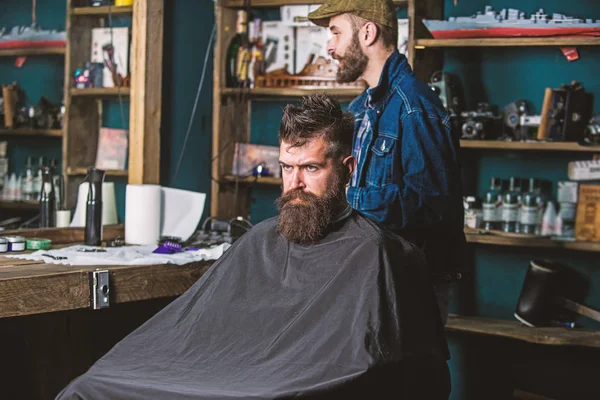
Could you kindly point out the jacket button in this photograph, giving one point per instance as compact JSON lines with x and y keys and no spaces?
{"x":378,"y":112}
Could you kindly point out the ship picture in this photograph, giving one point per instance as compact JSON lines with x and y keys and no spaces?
{"x":511,"y":23}
{"x":31,"y":37}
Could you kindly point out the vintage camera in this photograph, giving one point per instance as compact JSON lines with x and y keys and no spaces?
{"x":565,"y":113}
{"x":520,"y":122}
{"x":591,"y":135}
{"x":447,"y":86}
{"x":479,"y":124}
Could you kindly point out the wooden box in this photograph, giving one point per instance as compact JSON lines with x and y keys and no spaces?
{"x":587,"y":223}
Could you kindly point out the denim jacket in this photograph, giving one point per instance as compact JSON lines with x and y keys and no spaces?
{"x":408,"y":174}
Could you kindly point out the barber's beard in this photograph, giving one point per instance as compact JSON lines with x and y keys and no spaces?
{"x":354,"y":62}
{"x":305,"y":221}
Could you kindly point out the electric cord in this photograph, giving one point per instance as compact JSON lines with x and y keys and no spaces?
{"x":195,"y":107}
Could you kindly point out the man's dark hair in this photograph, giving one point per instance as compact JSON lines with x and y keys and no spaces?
{"x":387,"y":35}
{"x":318,"y":116}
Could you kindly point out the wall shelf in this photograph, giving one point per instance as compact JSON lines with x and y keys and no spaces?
{"x":100,"y":92}
{"x":19,"y":204}
{"x":102,"y":11}
{"x":31,"y":132}
{"x":507,"y":42}
{"x":555,"y":336}
{"x":263,"y":180}
{"x":519,"y":240}
{"x":349,"y":93}
{"x":277,"y":3}
{"x":545,"y":146}
{"x":32,"y":52}
{"x":109,"y":172}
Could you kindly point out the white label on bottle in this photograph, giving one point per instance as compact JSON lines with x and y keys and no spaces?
{"x":27,"y":186}
{"x":510,"y":212}
{"x":529,"y":215}
{"x":492,"y":212}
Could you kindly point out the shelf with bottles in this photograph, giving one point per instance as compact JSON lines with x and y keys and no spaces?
{"x":421,"y":44}
{"x":102,"y":11}
{"x":278,"y":3}
{"x":529,"y":145}
{"x":31,"y":132}
{"x":81,"y":171}
{"x":556,"y":336}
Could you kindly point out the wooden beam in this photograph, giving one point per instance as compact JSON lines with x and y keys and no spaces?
{"x":32,"y":52}
{"x":146,"y":88}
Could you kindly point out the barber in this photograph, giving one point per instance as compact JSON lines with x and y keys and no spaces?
{"x":408,"y":173}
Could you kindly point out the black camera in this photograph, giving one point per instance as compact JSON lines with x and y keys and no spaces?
{"x":479,"y":124}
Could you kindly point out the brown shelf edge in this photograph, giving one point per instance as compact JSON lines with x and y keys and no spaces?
{"x":101,"y":11}
{"x":19,"y":204}
{"x":555,"y":336}
{"x":277,"y":3}
{"x":544,"y":146}
{"x":482,"y":237}
{"x":292,"y":92}
{"x":31,"y":132}
{"x":98,"y":92}
{"x":32,"y":52}
{"x":506,"y":42}
{"x":109,"y":172}
{"x":265,"y":180}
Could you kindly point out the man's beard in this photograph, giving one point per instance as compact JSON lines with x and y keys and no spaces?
{"x":354,"y":62}
{"x":305,"y":221}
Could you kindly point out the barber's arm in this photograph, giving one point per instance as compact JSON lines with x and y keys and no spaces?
{"x":430,"y":170}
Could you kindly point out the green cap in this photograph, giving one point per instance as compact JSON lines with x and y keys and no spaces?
{"x":379,"y":11}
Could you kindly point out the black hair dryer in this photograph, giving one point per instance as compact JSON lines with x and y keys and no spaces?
{"x":93,"y":216}
{"x":542,"y":295}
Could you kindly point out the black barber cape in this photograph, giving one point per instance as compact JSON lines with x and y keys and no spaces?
{"x":353,"y":316}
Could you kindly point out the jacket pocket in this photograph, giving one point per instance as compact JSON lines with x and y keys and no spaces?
{"x":381,"y":164}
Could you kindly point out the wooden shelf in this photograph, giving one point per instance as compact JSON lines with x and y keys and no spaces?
{"x":282,"y":93}
{"x":19,"y":204}
{"x":109,"y":172}
{"x":102,"y":11}
{"x":520,"y":240}
{"x":31,"y":132}
{"x":546,"y":146}
{"x":100,"y":92}
{"x":277,"y":3}
{"x":263,"y":180}
{"x":515,"y":330}
{"x":507,"y":42}
{"x":32,"y":52}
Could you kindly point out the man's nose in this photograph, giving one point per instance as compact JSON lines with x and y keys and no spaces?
{"x":330,"y":47}
{"x":297,"y":181}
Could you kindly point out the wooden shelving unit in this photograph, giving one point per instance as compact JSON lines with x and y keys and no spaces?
{"x":103,"y":11}
{"x":519,"y":240}
{"x":507,"y":42}
{"x":263,"y":180}
{"x":101,"y":92}
{"x":543,"y":146}
{"x":19,"y":204}
{"x":31,"y":132}
{"x":80,"y":171}
{"x":277,"y":3}
{"x":32,"y":52}
{"x":517,"y":331}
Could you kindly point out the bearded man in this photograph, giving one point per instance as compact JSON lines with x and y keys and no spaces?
{"x":408,"y":173}
{"x":317,"y":303}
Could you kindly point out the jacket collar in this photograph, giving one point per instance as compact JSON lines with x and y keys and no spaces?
{"x":396,"y":67}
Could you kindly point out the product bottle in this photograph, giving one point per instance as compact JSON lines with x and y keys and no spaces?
{"x":47,"y":200}
{"x":234,"y":61}
{"x":492,"y":205}
{"x":93,"y":217}
{"x":529,"y":214}
{"x":510,"y":206}
{"x":37,"y":179}
{"x":27,"y":177}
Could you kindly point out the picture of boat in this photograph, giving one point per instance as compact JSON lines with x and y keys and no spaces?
{"x":511,"y":23}
{"x":31,"y":37}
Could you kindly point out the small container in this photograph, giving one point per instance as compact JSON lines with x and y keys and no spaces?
{"x":15,"y":243}
{"x":3,"y":245}
{"x":473,"y":212}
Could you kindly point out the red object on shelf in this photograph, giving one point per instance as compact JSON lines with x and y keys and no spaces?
{"x":32,"y":44}
{"x":515,"y":32}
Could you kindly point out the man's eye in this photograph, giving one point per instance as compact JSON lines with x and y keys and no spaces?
{"x":286,"y":167}
{"x":311,"y":168}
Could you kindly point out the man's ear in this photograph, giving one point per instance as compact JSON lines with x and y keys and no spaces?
{"x":368,"y":33}
{"x":350,"y":165}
